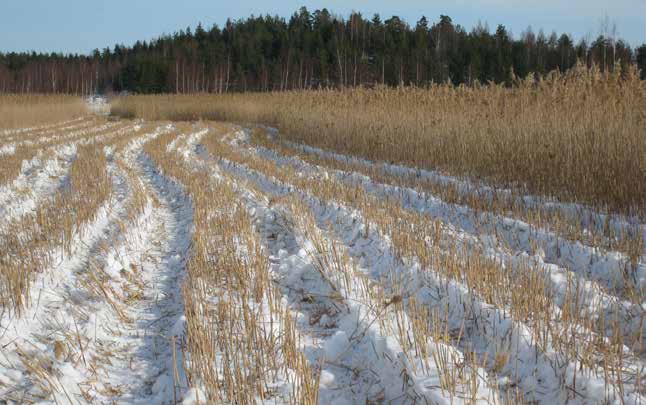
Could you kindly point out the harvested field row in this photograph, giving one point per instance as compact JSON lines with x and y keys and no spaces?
{"x":215,"y":263}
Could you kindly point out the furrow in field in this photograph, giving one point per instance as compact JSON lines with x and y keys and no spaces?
{"x":140,"y":357}
{"x":41,"y":176}
{"x":107,"y":307}
{"x":43,"y":128}
{"x":345,"y":326}
{"x":503,"y":239}
{"x":493,"y":330}
{"x":612,"y":269}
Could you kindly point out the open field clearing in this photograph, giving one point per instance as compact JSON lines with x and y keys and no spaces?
{"x":147,"y":261}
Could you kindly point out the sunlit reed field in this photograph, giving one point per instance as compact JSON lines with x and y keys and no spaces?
{"x":443,"y":245}
{"x":34,"y":109}
{"x":577,"y":136}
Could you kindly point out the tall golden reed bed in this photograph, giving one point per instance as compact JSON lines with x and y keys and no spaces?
{"x":31,"y":110}
{"x":577,"y":136}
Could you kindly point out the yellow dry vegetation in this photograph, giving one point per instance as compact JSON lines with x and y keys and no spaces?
{"x":16,"y":110}
{"x":576,"y":136}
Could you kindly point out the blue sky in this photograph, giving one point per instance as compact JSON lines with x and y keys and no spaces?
{"x":82,"y":25}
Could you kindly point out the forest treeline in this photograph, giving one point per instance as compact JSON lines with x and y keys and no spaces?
{"x":313,"y":50}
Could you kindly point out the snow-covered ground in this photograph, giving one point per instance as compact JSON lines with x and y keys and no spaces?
{"x":41,"y":176}
{"x":384,"y":312}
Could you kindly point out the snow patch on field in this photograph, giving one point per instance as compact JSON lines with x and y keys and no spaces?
{"x":494,"y":330}
{"x":157,"y":247}
{"x":102,"y":319}
{"x":38,"y":178}
{"x":360,"y":361}
{"x":8,"y":149}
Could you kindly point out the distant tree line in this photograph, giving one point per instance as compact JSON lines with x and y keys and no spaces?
{"x":312,"y":50}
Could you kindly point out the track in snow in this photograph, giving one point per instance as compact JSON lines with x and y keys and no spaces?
{"x":493,"y":329}
{"x":99,"y":328}
{"x":106,"y":322}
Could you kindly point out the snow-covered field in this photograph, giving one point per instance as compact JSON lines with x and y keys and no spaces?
{"x":215,"y":263}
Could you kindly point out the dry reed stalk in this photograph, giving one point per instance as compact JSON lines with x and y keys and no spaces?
{"x":11,"y":165}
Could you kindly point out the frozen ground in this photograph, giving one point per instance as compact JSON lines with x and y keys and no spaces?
{"x":106,"y":321}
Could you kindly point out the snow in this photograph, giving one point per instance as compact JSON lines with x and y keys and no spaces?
{"x":455,"y":295}
{"x":129,"y":357}
{"x":8,"y":149}
{"x":106,"y":322}
{"x":43,"y":175}
{"x":38,"y":178}
{"x":565,"y":262}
